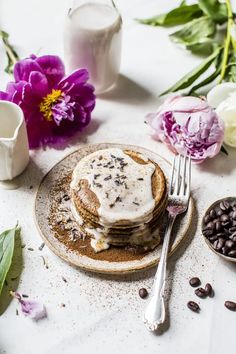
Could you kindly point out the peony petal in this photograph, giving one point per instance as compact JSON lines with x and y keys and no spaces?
{"x":4,"y":96}
{"x":33,"y":309}
{"x":220,"y":93}
{"x":84,"y":94}
{"x":78,"y":77}
{"x":185,"y":104}
{"x":39,"y":83}
{"x":15,"y":89}
{"x":52,"y":67}
{"x":23,"y":68}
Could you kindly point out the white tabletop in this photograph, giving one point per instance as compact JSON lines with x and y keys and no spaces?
{"x":104,"y":314}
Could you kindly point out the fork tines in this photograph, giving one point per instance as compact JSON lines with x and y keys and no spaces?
{"x":180,"y":176}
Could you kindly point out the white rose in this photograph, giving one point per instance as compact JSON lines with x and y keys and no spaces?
{"x":223,"y":98}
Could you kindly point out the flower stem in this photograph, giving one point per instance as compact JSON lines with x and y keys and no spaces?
{"x":228,"y":40}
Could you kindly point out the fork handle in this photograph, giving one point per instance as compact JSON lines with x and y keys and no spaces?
{"x":155,"y":311}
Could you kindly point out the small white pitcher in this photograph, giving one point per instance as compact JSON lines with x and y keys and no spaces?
{"x":14,"y":148}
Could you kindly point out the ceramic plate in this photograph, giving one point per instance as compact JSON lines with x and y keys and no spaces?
{"x":75,"y":257}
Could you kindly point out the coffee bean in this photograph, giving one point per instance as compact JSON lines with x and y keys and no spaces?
{"x":229,"y":244}
{"x":218,"y":226}
{"x":218,"y":244}
{"x":210,"y":226}
{"x":200,"y":292}
{"x":207,"y":232}
{"x":143,"y":293}
{"x":224,"y":218}
{"x":226,"y":224}
{"x":207,"y":219}
{"x":232,"y":253}
{"x":194,"y":281}
{"x":226,"y":232}
{"x":230,"y":305}
{"x":213,"y":238}
{"x":224,"y":205}
{"x":208,"y":289}
{"x":232,"y":229}
{"x":225,"y":250}
{"x":220,"y":234}
{"x":192,"y":305}
{"x":233,"y":237}
{"x":212,"y":213}
{"x":215,"y":221}
{"x":219,"y":212}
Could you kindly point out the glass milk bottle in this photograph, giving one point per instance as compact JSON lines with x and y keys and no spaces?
{"x":92,"y":40}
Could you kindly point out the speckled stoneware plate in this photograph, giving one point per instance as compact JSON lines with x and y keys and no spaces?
{"x":102,"y":262}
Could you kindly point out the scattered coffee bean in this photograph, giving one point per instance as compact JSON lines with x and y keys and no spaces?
{"x":219,"y":212}
{"x":230,"y":305}
{"x":208,"y":289}
{"x":195,"y":281}
{"x":192,"y":305}
{"x":143,"y":293}
{"x":200,"y":292}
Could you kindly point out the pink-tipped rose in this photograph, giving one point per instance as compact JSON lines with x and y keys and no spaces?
{"x":189,"y":126}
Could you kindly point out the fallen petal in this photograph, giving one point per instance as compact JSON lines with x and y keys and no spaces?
{"x":33,"y":309}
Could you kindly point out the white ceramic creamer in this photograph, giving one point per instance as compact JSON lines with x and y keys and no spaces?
{"x":14,"y":149}
{"x":92,"y":40}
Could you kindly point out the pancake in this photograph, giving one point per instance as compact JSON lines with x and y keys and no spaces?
{"x":117,"y":197}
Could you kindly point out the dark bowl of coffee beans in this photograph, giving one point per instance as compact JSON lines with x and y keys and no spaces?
{"x":219,"y":228}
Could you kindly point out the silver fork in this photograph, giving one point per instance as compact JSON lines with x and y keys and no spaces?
{"x":178,"y":199}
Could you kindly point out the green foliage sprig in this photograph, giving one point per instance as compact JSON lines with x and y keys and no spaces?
{"x":12,"y":56}
{"x":201,"y":24}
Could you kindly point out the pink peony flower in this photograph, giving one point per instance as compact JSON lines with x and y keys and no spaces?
{"x":188,"y":126}
{"x":55,"y":106}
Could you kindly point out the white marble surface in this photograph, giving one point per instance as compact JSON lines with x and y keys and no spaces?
{"x":104,"y":314}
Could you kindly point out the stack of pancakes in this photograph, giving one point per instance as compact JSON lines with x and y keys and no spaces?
{"x":118,"y":198}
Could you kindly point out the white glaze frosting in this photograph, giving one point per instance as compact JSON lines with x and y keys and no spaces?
{"x":122,"y":186}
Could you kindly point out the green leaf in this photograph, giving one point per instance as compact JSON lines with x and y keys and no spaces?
{"x":214,"y":9}
{"x":7,"y":242}
{"x":180,"y":15}
{"x":195,"y":32}
{"x":204,"y":49}
{"x":193,"y":75}
{"x":12,"y":56}
{"x":206,"y":81}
